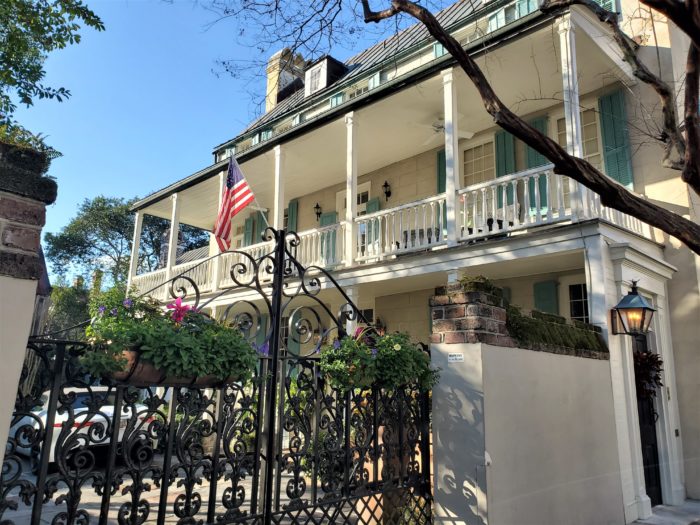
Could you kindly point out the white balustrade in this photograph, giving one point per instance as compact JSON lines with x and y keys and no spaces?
{"x":199,"y":271}
{"x":240,"y":264}
{"x":324,"y":247}
{"x":151,"y":283}
{"x":527,"y":198}
{"x":415,"y":226}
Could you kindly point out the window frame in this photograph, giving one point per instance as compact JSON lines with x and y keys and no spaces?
{"x":475,"y":142}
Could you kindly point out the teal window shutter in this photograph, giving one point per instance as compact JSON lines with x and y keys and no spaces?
{"x":292,"y":215}
{"x":248,"y":232}
{"x":546,"y":297}
{"x":505,"y":161}
{"x":535,"y":159}
{"x":616,"y":146}
{"x":260,"y":337}
{"x":373,"y":226}
{"x":328,"y":239}
{"x":260,"y":225}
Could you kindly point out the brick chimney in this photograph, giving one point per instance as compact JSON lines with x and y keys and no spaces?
{"x":285,"y":74}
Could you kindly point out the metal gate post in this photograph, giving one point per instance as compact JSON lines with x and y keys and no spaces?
{"x":276,"y":319}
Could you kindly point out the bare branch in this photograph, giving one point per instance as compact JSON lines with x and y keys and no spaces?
{"x":691,"y":170}
{"x":611,"y":193}
{"x":685,"y":15}
{"x":674,"y":150}
{"x":376,"y":16}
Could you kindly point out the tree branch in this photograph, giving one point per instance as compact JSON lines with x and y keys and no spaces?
{"x":671,"y":136}
{"x":691,"y":170}
{"x":687,"y":18}
{"x":377,"y":16}
{"x":611,"y":194}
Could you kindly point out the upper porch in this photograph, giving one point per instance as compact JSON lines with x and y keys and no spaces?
{"x":427,"y":167}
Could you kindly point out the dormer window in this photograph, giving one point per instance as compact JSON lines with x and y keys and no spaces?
{"x":322,"y":74}
{"x":337,"y":99}
{"x":315,"y":79}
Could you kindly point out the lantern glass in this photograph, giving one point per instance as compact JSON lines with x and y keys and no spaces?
{"x":633,"y":313}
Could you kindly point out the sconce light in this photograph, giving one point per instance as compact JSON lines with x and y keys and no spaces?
{"x":387,"y":190}
{"x":317,"y":211}
{"x":632,"y":315}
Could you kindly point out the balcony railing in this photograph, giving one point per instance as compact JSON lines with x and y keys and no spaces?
{"x":492,"y":209}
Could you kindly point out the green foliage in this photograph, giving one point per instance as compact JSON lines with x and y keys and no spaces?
{"x":16,"y":135}
{"x":388,"y":361}
{"x":183,"y":342}
{"x":69,"y":305}
{"x":548,"y":330}
{"x":647,"y":374}
{"x":29,"y":30}
{"x":480,"y":284}
{"x":100,"y":237}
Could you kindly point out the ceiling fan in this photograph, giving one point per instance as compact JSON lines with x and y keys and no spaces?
{"x":438,"y":128}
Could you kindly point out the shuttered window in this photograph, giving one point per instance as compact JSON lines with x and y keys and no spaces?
{"x":616,"y":148}
{"x":292,"y":215}
{"x":248,"y":231}
{"x":479,"y":164}
{"x":546,"y":297}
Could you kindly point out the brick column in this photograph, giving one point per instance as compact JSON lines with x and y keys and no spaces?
{"x":468,"y":317}
{"x":24,"y":193}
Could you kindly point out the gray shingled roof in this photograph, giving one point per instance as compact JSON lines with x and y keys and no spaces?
{"x":366,"y":60}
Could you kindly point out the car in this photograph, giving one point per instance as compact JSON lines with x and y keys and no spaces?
{"x":95,"y":437}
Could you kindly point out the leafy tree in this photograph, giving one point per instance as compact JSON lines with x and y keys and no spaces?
{"x":69,"y":305}
{"x":313,"y":27}
{"x":29,"y":30}
{"x":100,"y":235}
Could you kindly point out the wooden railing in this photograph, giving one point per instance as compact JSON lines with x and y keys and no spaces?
{"x":323,"y":246}
{"x":415,"y":226}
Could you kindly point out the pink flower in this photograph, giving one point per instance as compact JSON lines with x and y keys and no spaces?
{"x":180,"y":310}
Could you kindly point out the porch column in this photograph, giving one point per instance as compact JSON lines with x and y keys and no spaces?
{"x":603,"y":293}
{"x":350,"y":189}
{"x":572,"y":111}
{"x":135,"y":246}
{"x":354,"y":295}
{"x":451,"y":154}
{"x":173,"y":237}
{"x":278,"y":214}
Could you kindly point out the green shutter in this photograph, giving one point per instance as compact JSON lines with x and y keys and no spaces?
{"x":546,"y":297}
{"x":328,"y":239}
{"x":262,"y":334}
{"x":616,"y":147}
{"x":293,"y":346}
{"x":260,"y":225}
{"x":608,"y":5}
{"x":373,"y":226}
{"x":292,"y":215}
{"x":505,"y":162}
{"x":248,"y":232}
{"x":535,"y":159}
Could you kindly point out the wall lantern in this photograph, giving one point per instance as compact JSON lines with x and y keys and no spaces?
{"x":387,"y":189}
{"x":632,"y":315}
{"x":317,"y":211}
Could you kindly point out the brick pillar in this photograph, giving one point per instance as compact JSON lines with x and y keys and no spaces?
{"x":24,"y":193}
{"x":468,"y":317}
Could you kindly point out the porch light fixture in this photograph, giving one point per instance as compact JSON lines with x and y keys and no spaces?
{"x":317,"y":211}
{"x":387,"y":189}
{"x":632,"y":315}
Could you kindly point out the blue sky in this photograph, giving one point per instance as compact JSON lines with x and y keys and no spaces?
{"x":146,"y":107}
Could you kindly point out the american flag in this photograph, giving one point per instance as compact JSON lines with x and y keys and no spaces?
{"x":236,"y":196}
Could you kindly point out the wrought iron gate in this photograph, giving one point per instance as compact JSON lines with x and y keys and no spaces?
{"x":286,"y":448}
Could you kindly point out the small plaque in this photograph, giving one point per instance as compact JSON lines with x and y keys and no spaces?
{"x":455,"y":358}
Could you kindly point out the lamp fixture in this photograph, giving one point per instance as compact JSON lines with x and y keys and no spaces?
{"x":317,"y":211}
{"x":387,"y":189}
{"x":632,"y":315}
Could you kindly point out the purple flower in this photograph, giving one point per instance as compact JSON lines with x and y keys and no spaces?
{"x":374,"y":352}
{"x":113,"y":311}
{"x":336,"y":344}
{"x":263,"y":349}
{"x":102,"y":309}
{"x":128,"y":303}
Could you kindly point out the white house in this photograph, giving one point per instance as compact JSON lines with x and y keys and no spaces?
{"x":439,"y":192}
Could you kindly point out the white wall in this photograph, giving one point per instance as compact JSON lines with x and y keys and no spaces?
{"x":550,"y":434}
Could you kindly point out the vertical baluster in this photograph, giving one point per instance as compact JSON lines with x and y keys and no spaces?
{"x":494,"y":207}
{"x":560,"y":195}
{"x":548,"y":187}
{"x":527,"y":218}
{"x":401,"y":237}
{"x":507,"y":207}
{"x":475,"y":199}
{"x":484,"y":211}
{"x":387,"y":237}
{"x":538,"y":204}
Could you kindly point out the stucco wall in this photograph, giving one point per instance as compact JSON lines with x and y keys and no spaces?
{"x":550,"y":435}
{"x":406,"y":312}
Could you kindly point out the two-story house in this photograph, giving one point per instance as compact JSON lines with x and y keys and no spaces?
{"x":397,"y":180}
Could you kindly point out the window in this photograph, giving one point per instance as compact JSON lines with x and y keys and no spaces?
{"x":368,"y":313}
{"x":285,"y":218}
{"x":375,"y":80}
{"x":296,"y":120}
{"x":479,"y":164}
{"x":266,"y":134}
{"x":578,"y":302}
{"x":337,"y":99}
{"x":357,"y":92}
{"x":255,"y":140}
{"x":438,"y":50}
{"x":591,"y":144}
{"x":315,"y":79}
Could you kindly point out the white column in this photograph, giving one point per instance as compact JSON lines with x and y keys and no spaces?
{"x":278,"y":210}
{"x":603,"y":293}
{"x":451,"y":153}
{"x":135,"y":246}
{"x":353,"y":294}
{"x":172,"y":240}
{"x":572,"y":111}
{"x":350,"y":189}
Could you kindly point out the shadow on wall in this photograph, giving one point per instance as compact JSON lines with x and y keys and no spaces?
{"x":459,"y":451}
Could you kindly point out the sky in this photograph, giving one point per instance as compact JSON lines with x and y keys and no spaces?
{"x":147,"y":107}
